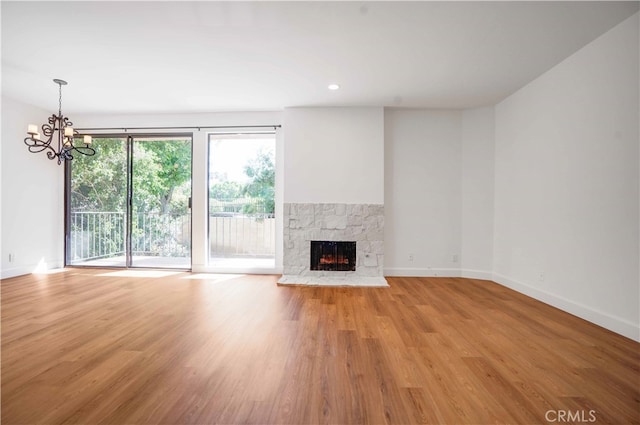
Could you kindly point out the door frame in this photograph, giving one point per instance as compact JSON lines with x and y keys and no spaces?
{"x":222,"y":132}
{"x":129,"y":140}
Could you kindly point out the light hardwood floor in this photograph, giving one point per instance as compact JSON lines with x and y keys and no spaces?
{"x":133,"y":347}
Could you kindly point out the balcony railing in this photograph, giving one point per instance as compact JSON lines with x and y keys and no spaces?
{"x":165,"y":235}
{"x":249,"y":235}
{"x":232,"y":233}
{"x":241,"y":227}
{"x":96,"y":235}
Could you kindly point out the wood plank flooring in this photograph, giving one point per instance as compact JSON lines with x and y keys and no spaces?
{"x":138,"y":347}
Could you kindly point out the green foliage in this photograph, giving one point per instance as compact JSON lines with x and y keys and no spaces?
{"x":161,"y":177}
{"x":99,"y":182}
{"x":261,"y":171}
{"x":170,"y":169}
{"x":225,"y":190}
{"x":147,"y":188}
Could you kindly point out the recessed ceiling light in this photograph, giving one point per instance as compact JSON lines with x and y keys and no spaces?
{"x":333,"y":87}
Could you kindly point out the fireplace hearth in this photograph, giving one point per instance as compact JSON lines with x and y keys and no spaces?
{"x":333,"y":256}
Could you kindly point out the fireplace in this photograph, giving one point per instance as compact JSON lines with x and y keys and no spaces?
{"x":333,"y":256}
{"x":333,"y":244}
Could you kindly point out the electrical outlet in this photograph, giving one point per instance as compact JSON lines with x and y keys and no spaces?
{"x":541,"y":276}
{"x":454,"y":258}
{"x":410,"y":257}
{"x":12,"y":257}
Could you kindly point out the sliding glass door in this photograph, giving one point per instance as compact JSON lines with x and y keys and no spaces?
{"x":160,"y":202}
{"x":129,"y":205}
{"x":97,"y":205}
{"x":241,"y":201}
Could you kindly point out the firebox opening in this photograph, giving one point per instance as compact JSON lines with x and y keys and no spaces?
{"x":333,"y":256}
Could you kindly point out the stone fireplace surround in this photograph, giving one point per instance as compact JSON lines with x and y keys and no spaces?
{"x":362,"y":223}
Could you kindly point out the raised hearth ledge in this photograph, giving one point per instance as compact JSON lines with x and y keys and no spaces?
{"x":372,"y":281}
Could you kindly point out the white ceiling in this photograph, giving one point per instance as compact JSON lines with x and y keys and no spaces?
{"x":226,"y":56}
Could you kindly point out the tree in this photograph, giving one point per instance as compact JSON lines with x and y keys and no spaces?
{"x":162,"y":170}
{"x":173,"y":160}
{"x":261,"y":171}
{"x":99,"y":182}
{"x":225,"y":190}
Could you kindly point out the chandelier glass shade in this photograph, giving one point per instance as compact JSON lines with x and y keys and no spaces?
{"x":59,"y":136}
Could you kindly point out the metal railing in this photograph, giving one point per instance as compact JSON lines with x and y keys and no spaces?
{"x":164,"y":235}
{"x":241,"y":227}
{"x":96,"y":235}
{"x":232,"y":233}
{"x":241,"y":235}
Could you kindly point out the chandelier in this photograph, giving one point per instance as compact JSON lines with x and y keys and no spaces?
{"x":61,"y":126}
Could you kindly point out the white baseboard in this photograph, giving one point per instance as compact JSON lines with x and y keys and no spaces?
{"x":24,"y":269}
{"x":420,"y":272}
{"x":439,"y":272}
{"x":615,"y":324}
{"x":476,"y":274}
{"x":15,"y":271}
{"x":206,"y":269}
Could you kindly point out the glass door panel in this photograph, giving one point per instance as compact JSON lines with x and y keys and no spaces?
{"x":160,"y":213}
{"x":241,"y":201}
{"x":97,"y":219}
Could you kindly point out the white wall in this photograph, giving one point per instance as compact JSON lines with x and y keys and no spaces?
{"x":200,"y":163}
{"x":540,"y":192}
{"x":566,"y":184}
{"x":334,"y":155}
{"x":477,"y":162}
{"x":422,"y":192}
{"x":32,"y":196}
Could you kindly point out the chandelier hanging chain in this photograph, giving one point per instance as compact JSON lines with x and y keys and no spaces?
{"x":59,"y":99}
{"x":60,"y":125}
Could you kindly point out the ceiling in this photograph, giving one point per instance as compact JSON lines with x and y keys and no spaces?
{"x":122,"y":57}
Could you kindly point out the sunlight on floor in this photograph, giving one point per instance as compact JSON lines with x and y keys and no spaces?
{"x":213,"y":277}
{"x":52,"y":271}
{"x":42,"y":269}
{"x":242,"y":263}
{"x":139,"y":273}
